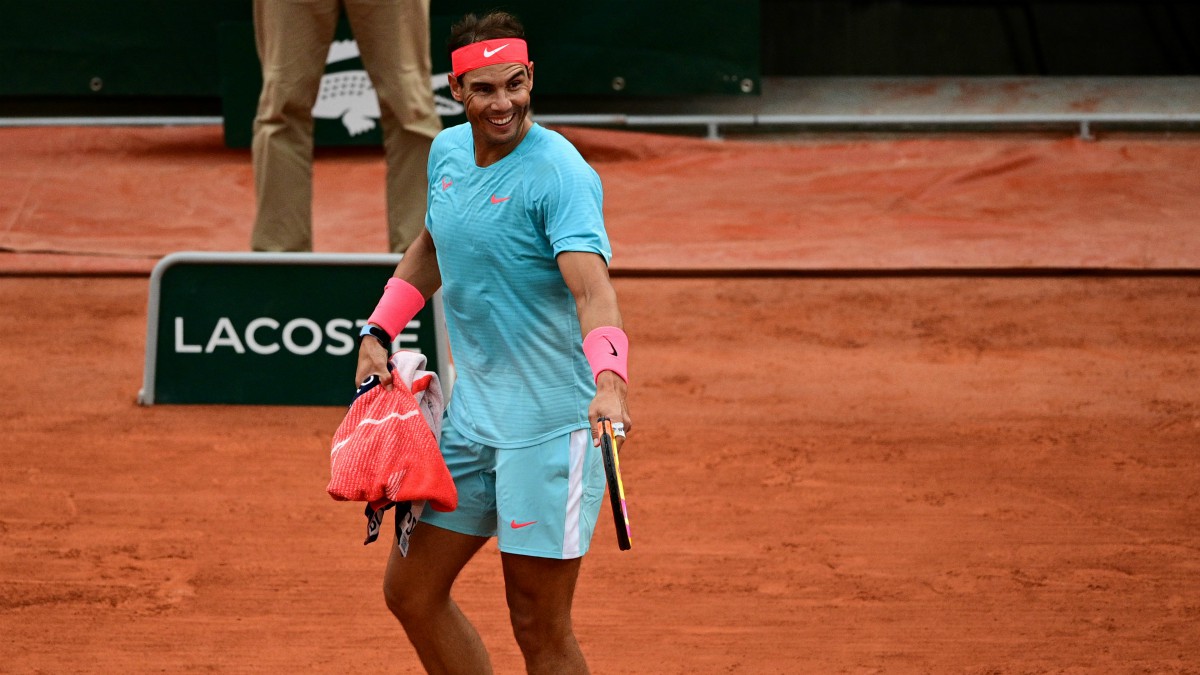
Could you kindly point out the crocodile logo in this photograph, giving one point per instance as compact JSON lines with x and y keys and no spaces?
{"x":349,"y":96}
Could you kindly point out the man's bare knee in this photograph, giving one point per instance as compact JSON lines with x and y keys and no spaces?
{"x":408,"y":603}
{"x":537,"y":631}
{"x":416,"y":587}
{"x":539,"y":593}
{"x":398,"y":601}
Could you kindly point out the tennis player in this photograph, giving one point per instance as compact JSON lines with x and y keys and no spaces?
{"x":514,"y":236}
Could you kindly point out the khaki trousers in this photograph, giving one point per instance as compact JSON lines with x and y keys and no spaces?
{"x":293,"y":38}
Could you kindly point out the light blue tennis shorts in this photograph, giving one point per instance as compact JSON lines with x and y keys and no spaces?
{"x":542,"y":500}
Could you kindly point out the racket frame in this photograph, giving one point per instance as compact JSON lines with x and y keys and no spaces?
{"x":610,"y":451}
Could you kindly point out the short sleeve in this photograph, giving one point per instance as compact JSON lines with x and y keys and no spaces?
{"x":571,"y":202}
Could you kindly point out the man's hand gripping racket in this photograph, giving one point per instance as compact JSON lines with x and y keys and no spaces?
{"x":611,"y":436}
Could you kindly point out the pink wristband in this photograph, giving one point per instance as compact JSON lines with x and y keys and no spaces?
{"x":607,"y":348}
{"x":400,"y":303}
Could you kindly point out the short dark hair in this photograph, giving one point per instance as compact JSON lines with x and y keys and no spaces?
{"x":493,"y":25}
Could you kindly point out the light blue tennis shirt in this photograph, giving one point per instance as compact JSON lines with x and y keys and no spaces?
{"x":514,"y":330}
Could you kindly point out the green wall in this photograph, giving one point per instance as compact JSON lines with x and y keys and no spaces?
{"x":163,"y":48}
{"x":94,"y":51}
{"x":976,"y":38}
{"x":113,"y":47}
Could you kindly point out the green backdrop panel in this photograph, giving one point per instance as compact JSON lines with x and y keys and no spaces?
{"x":256,"y":328}
{"x":107,"y":48}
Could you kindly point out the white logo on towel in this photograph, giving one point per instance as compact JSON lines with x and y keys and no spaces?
{"x":370,"y":420}
{"x":349,"y":95}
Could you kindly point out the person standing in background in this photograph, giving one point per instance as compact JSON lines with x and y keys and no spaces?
{"x":293,"y":39}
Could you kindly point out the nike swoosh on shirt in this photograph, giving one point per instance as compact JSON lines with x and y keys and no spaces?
{"x":489,"y":54}
{"x":497,"y":200}
{"x":516,"y":526}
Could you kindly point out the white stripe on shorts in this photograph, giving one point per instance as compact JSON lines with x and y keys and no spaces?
{"x":578,"y":448}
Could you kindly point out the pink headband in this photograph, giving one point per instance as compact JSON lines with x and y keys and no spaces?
{"x":489,"y":53}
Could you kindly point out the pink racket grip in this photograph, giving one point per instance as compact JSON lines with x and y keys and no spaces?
{"x":400,"y":303}
{"x":607,"y":348}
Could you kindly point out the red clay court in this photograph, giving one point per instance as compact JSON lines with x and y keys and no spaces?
{"x":837,"y":468}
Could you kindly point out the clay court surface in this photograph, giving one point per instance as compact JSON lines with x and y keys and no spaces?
{"x":861,"y":474}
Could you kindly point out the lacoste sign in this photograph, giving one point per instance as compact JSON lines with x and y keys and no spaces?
{"x":269,"y":328}
{"x":300,"y":336}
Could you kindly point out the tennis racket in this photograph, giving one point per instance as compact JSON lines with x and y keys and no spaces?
{"x":609,"y":444}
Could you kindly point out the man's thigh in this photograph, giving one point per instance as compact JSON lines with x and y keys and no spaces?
{"x":435,"y":557}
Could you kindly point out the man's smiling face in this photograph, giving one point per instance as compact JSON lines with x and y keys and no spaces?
{"x":496,"y":99}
